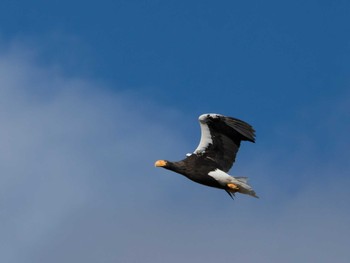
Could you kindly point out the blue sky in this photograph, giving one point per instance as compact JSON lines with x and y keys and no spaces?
{"x":92,"y":93}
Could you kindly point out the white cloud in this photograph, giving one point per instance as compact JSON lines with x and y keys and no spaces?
{"x":78,"y":184}
{"x":67,"y":144}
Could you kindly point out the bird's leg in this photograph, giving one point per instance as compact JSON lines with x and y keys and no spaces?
{"x":230,"y":194}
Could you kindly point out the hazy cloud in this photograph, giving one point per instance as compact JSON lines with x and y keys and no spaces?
{"x":78,"y":184}
{"x":67,"y":146}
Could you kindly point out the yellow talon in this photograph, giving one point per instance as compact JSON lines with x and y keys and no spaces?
{"x":232,"y":186}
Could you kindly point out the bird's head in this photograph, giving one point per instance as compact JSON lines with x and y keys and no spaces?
{"x":161,"y":163}
{"x":173,"y":166}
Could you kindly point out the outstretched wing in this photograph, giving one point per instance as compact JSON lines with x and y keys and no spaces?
{"x":221,"y":137}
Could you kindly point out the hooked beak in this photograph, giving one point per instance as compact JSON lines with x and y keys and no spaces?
{"x":160,"y":163}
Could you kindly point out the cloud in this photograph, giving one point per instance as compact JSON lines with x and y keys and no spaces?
{"x":78,"y":184}
{"x":68,"y":144}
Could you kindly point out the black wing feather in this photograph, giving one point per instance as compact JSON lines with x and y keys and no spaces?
{"x":226,"y":135}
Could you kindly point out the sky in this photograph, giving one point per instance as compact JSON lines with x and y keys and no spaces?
{"x":93,"y":93}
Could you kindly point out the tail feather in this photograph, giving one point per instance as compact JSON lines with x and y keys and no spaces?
{"x":243,"y":185}
{"x":242,"y":179}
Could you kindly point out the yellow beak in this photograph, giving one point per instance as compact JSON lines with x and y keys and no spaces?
{"x":160,"y":163}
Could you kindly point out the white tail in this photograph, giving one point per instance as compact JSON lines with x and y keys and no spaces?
{"x":242,"y":179}
{"x":244,"y":187}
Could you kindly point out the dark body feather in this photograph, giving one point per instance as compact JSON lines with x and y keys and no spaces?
{"x":195,"y":168}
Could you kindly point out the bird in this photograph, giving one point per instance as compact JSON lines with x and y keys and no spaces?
{"x":215,"y":154}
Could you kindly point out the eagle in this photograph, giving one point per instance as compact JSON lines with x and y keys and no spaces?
{"x":209,"y":164}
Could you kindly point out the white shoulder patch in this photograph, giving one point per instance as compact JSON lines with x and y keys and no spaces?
{"x":204,"y":117}
{"x":205,"y":138}
{"x":205,"y":132}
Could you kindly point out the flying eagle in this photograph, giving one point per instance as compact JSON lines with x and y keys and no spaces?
{"x":221,"y":137}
